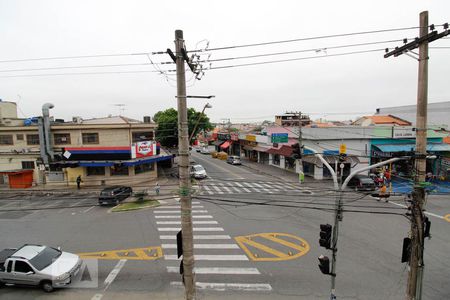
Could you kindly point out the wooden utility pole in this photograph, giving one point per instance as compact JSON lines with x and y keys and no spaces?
{"x":416,"y":257}
{"x":183,"y":165}
{"x":416,"y":265}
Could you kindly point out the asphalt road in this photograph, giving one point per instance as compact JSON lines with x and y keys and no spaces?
{"x":255,"y":236}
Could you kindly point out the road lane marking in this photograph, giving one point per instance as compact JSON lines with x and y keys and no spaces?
{"x":218,"y":286}
{"x":259,"y":247}
{"x":194,"y":222}
{"x":218,"y":190}
{"x":204,"y":246}
{"x":86,"y":210}
{"x":194,"y":229}
{"x":177,"y":211}
{"x":146,"y":253}
{"x":178,"y":217}
{"x":227,"y":189}
{"x":198,"y":237}
{"x":223,"y":271}
{"x":447,"y":218}
{"x":426,"y":213}
{"x":199,"y":257}
{"x":113,"y":274}
{"x":208,"y":190}
{"x":110,"y":278}
{"x":176,"y":206}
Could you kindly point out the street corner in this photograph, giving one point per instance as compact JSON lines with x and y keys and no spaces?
{"x":145,"y":253}
{"x":447,"y":217}
{"x":272,"y":246}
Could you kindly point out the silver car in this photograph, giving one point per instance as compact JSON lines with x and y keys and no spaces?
{"x":38,"y":265}
{"x":198,"y":172}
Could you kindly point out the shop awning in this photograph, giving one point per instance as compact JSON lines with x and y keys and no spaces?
{"x":434,"y":147}
{"x":146,"y":160}
{"x":218,"y":143}
{"x":249,"y":148}
{"x":225,"y":145}
{"x":95,"y":164}
{"x":283,"y":150}
{"x":261,"y":148}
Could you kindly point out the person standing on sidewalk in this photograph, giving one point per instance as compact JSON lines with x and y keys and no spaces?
{"x":157,"y":189}
{"x":79,"y":181}
{"x":382,"y":193}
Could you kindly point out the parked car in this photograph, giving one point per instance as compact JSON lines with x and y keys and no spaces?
{"x":198,"y":149}
{"x":37,"y":265}
{"x":205,"y":151}
{"x":234,"y":160}
{"x":362,"y":183}
{"x":114,"y":194}
{"x":198,"y":172}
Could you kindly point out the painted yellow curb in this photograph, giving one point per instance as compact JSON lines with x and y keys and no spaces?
{"x":146,"y":253}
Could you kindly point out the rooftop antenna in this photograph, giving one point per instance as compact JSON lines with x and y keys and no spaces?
{"x":121,"y":108}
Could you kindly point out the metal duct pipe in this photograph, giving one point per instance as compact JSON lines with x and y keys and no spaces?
{"x":46,"y":115}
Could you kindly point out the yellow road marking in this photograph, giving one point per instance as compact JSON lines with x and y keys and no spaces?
{"x":447,"y":218}
{"x":146,"y":253}
{"x":295,"y":250}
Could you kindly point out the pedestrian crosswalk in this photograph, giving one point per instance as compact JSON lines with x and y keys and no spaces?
{"x":220,"y":264}
{"x":212,"y":187}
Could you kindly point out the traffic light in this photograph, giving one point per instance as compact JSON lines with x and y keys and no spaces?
{"x":296,"y":151}
{"x":324,"y":264}
{"x":325,"y":235}
{"x":342,"y":157}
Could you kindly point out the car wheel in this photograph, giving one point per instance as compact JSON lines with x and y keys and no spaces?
{"x":47,"y":287}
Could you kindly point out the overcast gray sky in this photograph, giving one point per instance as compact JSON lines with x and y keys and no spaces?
{"x":329,"y":87}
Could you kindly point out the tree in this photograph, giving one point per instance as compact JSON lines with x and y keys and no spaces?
{"x":167,"y":132}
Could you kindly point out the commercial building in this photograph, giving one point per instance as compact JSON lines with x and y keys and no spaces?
{"x":102,"y":151}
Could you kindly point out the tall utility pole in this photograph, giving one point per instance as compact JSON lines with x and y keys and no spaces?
{"x":300,"y":143}
{"x":414,"y":289}
{"x":416,"y":265}
{"x":183,"y":165}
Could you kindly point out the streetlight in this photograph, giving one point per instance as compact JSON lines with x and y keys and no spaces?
{"x":207,"y":105}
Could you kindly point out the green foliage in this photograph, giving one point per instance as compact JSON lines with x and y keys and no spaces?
{"x":167,"y":132}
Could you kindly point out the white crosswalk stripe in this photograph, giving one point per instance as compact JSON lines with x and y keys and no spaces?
{"x":217,"y":255}
{"x":232,"y":187}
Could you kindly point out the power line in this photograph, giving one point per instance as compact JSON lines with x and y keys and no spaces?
{"x":293,"y":59}
{"x":317,"y":50}
{"x":80,"y":73}
{"x":307,"y":39}
{"x":74,"y":57}
{"x":77,"y":67}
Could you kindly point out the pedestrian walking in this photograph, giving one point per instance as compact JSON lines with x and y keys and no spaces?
{"x":79,"y":181}
{"x":382,"y":193}
{"x":157,"y":189}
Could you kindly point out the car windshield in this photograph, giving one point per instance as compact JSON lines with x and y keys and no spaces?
{"x":198,"y":168}
{"x":45,"y":258}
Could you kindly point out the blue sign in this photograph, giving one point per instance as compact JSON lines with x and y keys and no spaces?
{"x":279,"y":137}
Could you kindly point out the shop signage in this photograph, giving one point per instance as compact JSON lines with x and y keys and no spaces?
{"x":143,"y":149}
{"x":250,"y":137}
{"x":403,"y":133}
{"x":342,"y":149}
{"x":279,"y":137}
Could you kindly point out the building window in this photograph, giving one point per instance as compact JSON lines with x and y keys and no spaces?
{"x":28,"y":165}
{"x":95,"y":171}
{"x":19,"y":137}
{"x":118,"y":170}
{"x":61,"y":138}
{"x":90,"y":138}
{"x":32,"y":139}
{"x":142,"y":136}
{"x":144,"y":168}
{"x":6,"y":139}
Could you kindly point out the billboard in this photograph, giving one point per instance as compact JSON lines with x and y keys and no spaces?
{"x":143,"y":149}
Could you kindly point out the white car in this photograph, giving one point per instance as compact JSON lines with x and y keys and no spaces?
{"x":205,"y":151}
{"x":198,"y":172}
{"x":38,"y":265}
